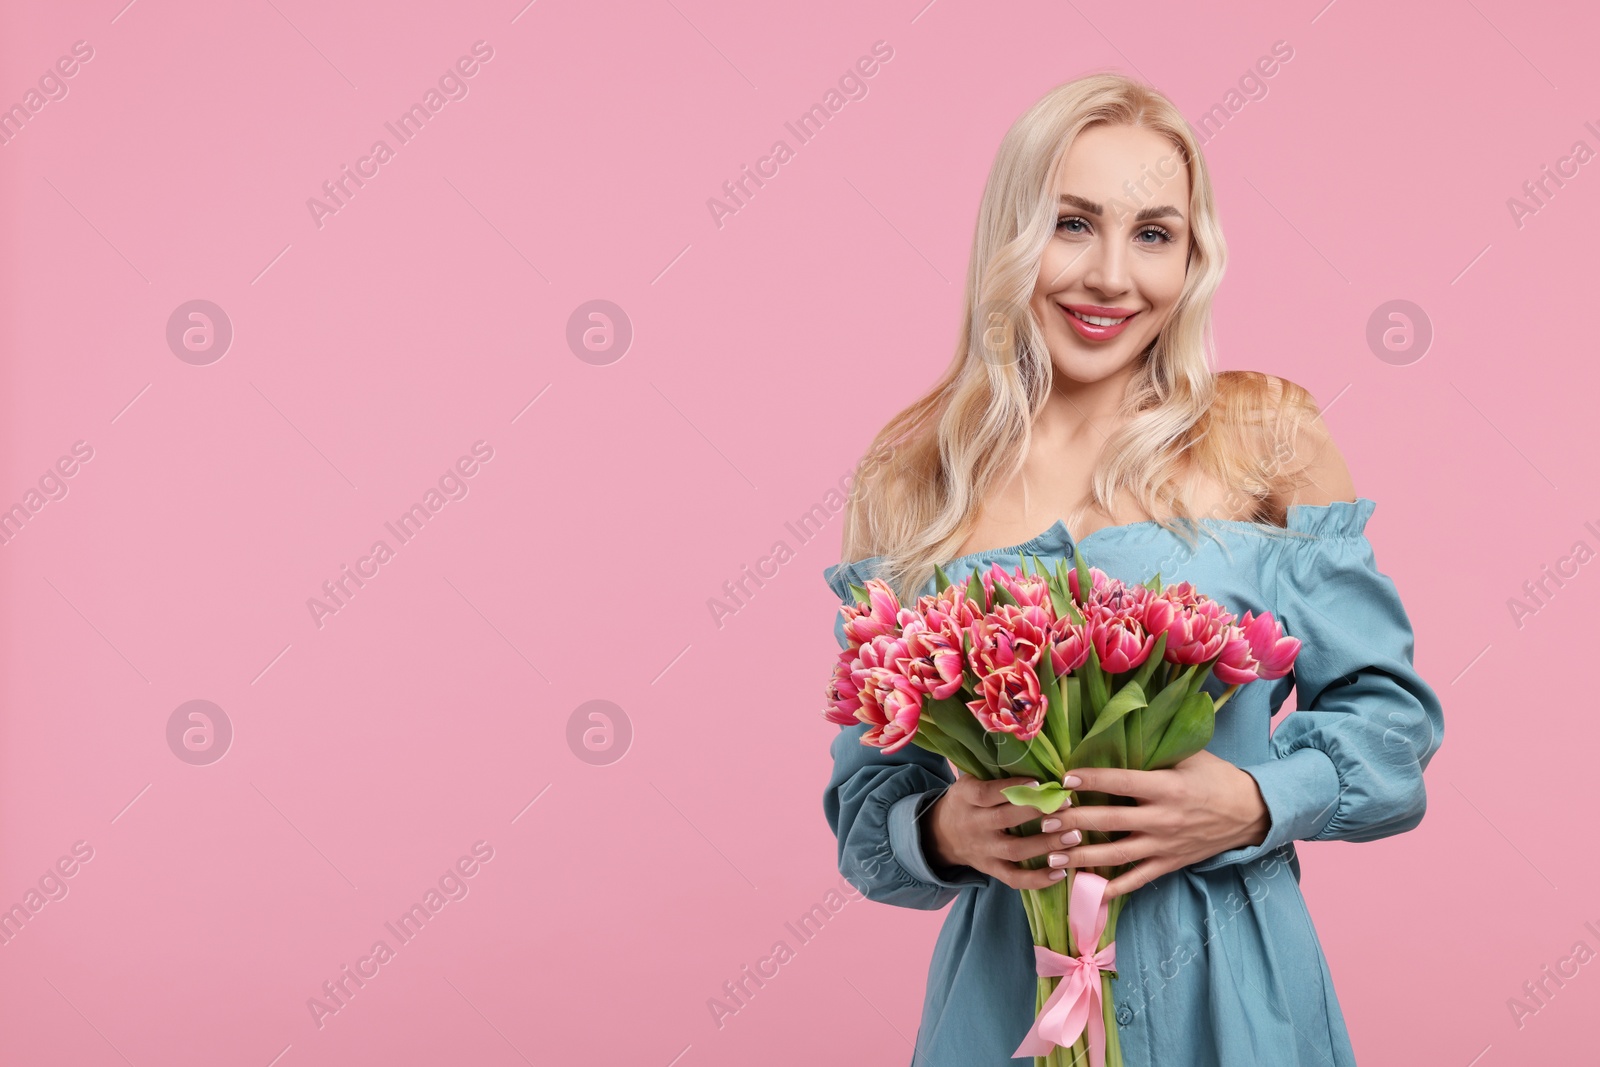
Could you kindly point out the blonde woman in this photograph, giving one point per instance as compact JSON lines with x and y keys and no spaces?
{"x":1080,"y":410}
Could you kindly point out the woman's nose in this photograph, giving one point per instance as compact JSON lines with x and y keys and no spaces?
{"x":1107,"y":268}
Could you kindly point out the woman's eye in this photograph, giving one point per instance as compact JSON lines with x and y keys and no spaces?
{"x":1074,"y":224}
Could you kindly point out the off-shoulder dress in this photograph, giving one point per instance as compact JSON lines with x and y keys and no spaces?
{"x":1218,"y":963}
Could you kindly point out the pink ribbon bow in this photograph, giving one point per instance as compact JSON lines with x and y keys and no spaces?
{"x":1076,"y":1002}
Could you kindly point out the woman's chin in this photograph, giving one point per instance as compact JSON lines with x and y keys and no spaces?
{"x":1073,"y":363}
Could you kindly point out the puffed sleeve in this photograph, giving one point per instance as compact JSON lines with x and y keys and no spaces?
{"x":1347,"y":763}
{"x":875,"y":800}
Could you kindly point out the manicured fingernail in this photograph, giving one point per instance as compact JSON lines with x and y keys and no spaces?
{"x":1050,"y":824}
{"x":1072,"y":781}
{"x":1058,"y":873}
{"x":1071,"y":837}
{"x":1058,"y":859}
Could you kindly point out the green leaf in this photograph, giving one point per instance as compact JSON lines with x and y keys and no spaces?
{"x":1188,"y":733}
{"x":1056,"y":713}
{"x":941,"y":580}
{"x":1072,"y":694}
{"x":1094,"y":679}
{"x":1045,"y":671}
{"x":1049,"y":758}
{"x":1134,"y":735}
{"x":1127,"y":698}
{"x":861,"y":595}
{"x":1048,"y":797}
{"x":1151,"y":662}
{"x":955,"y":720}
{"x":1061,"y":595}
{"x":1106,"y":748}
{"x":975,"y":588}
{"x":929,"y":737}
{"x":1105,"y":745}
{"x":1163,"y":706}
{"x":1082,"y":566}
{"x":1061,"y":601}
{"x":1034,"y":758}
{"x":1154,"y":584}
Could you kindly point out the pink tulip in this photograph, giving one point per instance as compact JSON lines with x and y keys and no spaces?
{"x":1120,"y":642}
{"x":863,"y":622}
{"x":933,"y":659}
{"x":1160,"y":616}
{"x":1183,"y":594}
{"x":1194,"y":640}
{"x":891,"y":708}
{"x":881,"y":655}
{"x":1256,"y":648}
{"x":843,"y":698}
{"x":1008,"y":635}
{"x":1009,"y":701}
{"x":1237,"y":665}
{"x":1031,"y":590}
{"x":1197,"y":634}
{"x":1069,"y":648}
{"x":1117,"y":598}
{"x":1274,"y":652}
{"x":950,"y":604}
{"x":1097,"y":579}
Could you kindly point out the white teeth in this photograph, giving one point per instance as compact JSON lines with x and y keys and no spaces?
{"x":1097,"y":320}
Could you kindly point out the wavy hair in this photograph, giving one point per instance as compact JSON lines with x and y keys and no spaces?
{"x":918,"y":491}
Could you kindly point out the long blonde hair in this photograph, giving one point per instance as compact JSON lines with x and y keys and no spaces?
{"x":918,"y":491}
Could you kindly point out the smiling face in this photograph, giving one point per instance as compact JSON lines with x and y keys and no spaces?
{"x":1113,"y":271}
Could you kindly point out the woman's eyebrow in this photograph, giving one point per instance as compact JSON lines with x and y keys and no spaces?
{"x":1144,"y":215}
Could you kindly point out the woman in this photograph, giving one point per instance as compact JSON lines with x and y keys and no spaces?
{"x":1081,"y":402}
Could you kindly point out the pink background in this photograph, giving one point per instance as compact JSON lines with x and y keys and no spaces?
{"x":427,"y":314}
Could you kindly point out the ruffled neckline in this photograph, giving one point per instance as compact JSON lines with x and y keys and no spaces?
{"x":1341,"y":518}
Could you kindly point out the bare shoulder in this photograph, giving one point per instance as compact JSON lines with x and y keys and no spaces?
{"x":1303,"y":448}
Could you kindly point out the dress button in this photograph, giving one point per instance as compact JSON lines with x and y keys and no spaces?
{"x":1124,"y":1015}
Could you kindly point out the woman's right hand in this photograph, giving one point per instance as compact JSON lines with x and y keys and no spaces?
{"x":967,"y":827}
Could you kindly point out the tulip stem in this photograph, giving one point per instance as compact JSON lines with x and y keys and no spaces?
{"x":1226,"y":693}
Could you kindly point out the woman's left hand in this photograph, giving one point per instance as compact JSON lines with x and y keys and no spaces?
{"x":1187,"y":813}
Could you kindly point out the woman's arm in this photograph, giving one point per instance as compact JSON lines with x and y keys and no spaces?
{"x":1346,"y":765}
{"x":1348,"y":762}
{"x":875,"y":802}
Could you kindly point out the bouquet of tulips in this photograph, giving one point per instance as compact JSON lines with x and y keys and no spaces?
{"x":1034,"y":673}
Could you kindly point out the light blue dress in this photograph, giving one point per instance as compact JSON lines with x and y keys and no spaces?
{"x":1218,"y":963}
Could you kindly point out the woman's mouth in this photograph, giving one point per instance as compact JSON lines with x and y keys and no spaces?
{"x":1094,"y":324}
